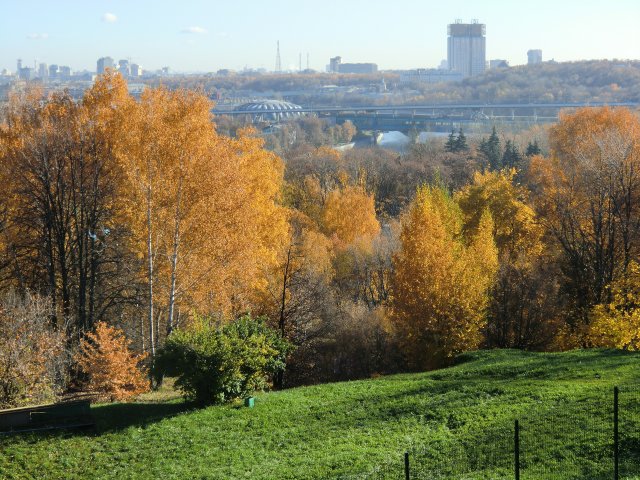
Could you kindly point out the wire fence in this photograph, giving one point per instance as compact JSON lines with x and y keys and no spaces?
{"x":594,"y":435}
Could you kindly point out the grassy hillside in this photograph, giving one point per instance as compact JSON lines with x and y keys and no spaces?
{"x":347,"y":429}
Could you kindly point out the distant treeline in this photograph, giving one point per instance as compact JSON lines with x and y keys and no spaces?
{"x":592,"y":81}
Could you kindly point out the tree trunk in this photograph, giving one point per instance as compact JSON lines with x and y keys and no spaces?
{"x":174,"y":259}
{"x":152,"y":343}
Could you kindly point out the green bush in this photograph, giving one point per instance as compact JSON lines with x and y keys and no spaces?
{"x":217,"y":364}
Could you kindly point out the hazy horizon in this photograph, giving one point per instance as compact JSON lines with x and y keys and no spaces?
{"x":203,"y":36}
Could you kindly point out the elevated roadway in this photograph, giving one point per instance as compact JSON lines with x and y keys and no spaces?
{"x":434,"y":116}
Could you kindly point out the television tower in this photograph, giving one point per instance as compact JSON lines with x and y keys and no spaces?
{"x":278,"y":62}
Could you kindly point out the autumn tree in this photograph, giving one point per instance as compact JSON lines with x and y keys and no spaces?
{"x":364,"y":274}
{"x":349,"y":215}
{"x":521,"y":311}
{"x":60,"y":202}
{"x":203,"y":208}
{"x":587,"y":193}
{"x":33,"y":361}
{"x":617,"y":324}
{"x":441,"y":280}
{"x":298,"y":284}
{"x":112,"y":369}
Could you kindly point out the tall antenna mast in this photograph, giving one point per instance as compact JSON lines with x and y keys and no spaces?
{"x":278,"y":62}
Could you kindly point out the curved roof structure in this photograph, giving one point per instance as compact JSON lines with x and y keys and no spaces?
{"x":271,"y":110}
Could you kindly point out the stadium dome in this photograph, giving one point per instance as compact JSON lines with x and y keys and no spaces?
{"x":276,"y":110}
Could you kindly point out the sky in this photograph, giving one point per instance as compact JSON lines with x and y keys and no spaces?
{"x":207,"y":35}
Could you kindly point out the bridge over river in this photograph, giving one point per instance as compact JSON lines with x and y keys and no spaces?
{"x":436,"y":117}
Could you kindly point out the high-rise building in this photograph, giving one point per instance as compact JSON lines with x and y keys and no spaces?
{"x":136,"y":70}
{"x":27,"y":73}
{"x":64,"y":72}
{"x":19,"y":66}
{"x":123,"y":67}
{"x":334,"y":64}
{"x":43,"y":71}
{"x":103,"y":64}
{"x":53,"y":71}
{"x":466,"y":48}
{"x":534,"y":56}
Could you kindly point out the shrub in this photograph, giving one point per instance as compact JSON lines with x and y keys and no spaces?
{"x":111,"y":367}
{"x":33,"y":358}
{"x":218,"y":364}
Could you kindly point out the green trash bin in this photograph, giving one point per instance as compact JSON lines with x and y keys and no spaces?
{"x":248,"y":402}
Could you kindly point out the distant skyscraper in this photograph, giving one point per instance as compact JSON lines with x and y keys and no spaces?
{"x":53,"y":71}
{"x":136,"y":70}
{"x":466,"y":48}
{"x":43,"y":71}
{"x":27,"y":73}
{"x":64,"y":72}
{"x":334,"y":64}
{"x":534,"y":56}
{"x":103,"y":64}
{"x":123,"y":67}
{"x":19,"y":66}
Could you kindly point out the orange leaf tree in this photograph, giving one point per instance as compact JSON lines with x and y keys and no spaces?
{"x":111,"y":367}
{"x":588,"y":196}
{"x":203,"y":208}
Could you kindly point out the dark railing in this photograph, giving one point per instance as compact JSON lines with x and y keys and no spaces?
{"x":548,"y":441}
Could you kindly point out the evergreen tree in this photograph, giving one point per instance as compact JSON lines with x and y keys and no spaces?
{"x":461,"y":142}
{"x":482,"y":148}
{"x":450,"y":146}
{"x":490,"y":149}
{"x":511,"y":158}
{"x":533,"y":149}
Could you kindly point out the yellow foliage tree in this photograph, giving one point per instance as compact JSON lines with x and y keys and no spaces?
{"x":349,"y":215}
{"x":441,"y":280}
{"x":111,"y":367}
{"x":617,"y":324}
{"x":516,"y":230}
{"x":587,"y":195}
{"x":203,"y":207}
{"x":520,"y":313}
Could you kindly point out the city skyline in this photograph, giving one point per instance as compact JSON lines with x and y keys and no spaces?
{"x":200,"y":36}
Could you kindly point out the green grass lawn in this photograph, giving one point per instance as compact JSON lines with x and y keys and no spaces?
{"x":456,"y":422}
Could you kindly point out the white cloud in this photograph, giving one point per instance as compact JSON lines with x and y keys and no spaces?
{"x":109,"y":17}
{"x":38,"y":36}
{"x":196,"y":30}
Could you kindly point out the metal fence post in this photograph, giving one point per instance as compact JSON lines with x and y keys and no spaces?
{"x":616,"y":444}
{"x":516,"y":449}
{"x":406,"y":465}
